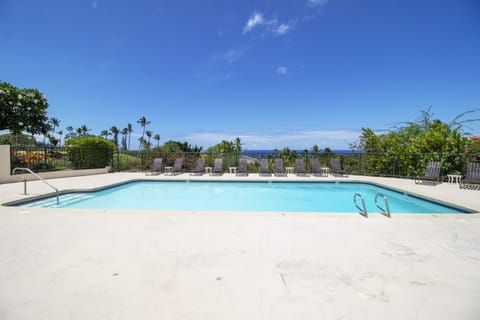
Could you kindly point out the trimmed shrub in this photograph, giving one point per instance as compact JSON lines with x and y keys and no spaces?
{"x":90,"y":152}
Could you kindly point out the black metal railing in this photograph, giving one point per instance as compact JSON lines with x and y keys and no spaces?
{"x":40,"y":159}
{"x":402,"y":165}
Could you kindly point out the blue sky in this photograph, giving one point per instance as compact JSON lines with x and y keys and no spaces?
{"x":274,"y":73}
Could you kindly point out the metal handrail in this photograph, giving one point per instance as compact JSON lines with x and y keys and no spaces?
{"x":36,"y":175}
{"x":385,"y":212}
{"x":363,"y":211}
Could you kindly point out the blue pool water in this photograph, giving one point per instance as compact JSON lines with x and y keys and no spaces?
{"x":243,"y":196}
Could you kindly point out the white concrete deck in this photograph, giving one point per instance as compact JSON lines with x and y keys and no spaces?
{"x":103,"y":264}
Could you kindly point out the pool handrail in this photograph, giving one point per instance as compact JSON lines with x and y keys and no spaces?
{"x":37,"y":176}
{"x":363,"y":211}
{"x":386,"y":211}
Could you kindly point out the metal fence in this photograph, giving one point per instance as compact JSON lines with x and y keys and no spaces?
{"x":400,"y":165}
{"x":41,"y":159}
{"x":403,"y":165}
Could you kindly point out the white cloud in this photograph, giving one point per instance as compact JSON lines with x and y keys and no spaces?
{"x":254,"y":20}
{"x":271,"y":26}
{"x":316,"y":3}
{"x":233,"y":55}
{"x":283,"y":28}
{"x":282,"y":70}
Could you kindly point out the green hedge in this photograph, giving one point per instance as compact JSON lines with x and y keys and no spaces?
{"x":90,"y":152}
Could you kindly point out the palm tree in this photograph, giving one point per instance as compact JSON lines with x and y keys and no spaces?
{"x":142,"y":142}
{"x":55,"y":123}
{"x":238,"y":145}
{"x":124,"y":138}
{"x":70,"y":132}
{"x":149,"y":134}
{"x":105,"y":134}
{"x":83,"y":130}
{"x":53,"y":139}
{"x":115,"y":133}
{"x":60,"y":133}
{"x":130,"y":130}
{"x":44,"y":131}
{"x":157,"y":138}
{"x":124,"y":143}
{"x":144,"y":123}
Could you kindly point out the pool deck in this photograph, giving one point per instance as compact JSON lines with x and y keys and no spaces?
{"x":106,"y":264}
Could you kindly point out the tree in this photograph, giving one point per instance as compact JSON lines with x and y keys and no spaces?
{"x":157,"y":138}
{"x":130,"y":130}
{"x":149,"y":134}
{"x":177,"y":146}
{"x":54,"y":122}
{"x":227,"y":147}
{"x":71,"y":133}
{"x":82,"y":131}
{"x":22,"y":109}
{"x":115,"y":133}
{"x":142,"y":142}
{"x":60,"y":133}
{"x":124,"y":138}
{"x":105,"y":134}
{"x":20,"y":139}
{"x":473,"y":145}
{"x":238,"y":145}
{"x":414,"y":143}
{"x":46,"y":128}
{"x":97,"y":152}
{"x":143,"y":123}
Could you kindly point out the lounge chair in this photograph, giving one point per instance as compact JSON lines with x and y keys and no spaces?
{"x":300,"y":167}
{"x":279,"y":170}
{"x":156,"y":167}
{"x":218,"y":167}
{"x":472,"y":177}
{"x":336,"y":168}
{"x":199,"y":168}
{"x":316,"y":169}
{"x":177,"y":166}
{"x":432,"y":173}
{"x":242,"y":167}
{"x":264,"y":168}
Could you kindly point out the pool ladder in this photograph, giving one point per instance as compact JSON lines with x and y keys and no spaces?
{"x":37,"y":176}
{"x":363,"y":209}
{"x":385,"y":211}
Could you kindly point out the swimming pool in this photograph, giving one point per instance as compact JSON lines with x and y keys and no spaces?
{"x":243,"y":196}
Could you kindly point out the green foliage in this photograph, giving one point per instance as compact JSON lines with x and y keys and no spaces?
{"x":177,"y":146}
{"x":404,"y":144}
{"x":22,"y":110}
{"x":90,"y":152}
{"x":226,"y":147}
{"x":127,"y":162}
{"x":19,"y":139}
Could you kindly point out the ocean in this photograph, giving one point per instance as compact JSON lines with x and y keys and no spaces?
{"x":271,"y":152}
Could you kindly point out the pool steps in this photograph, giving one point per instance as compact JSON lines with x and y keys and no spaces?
{"x":64,"y":200}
